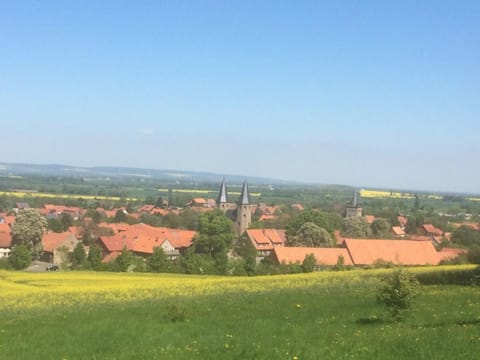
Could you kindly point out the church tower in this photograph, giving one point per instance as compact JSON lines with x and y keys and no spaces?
{"x":244,"y":210}
{"x":353,"y":209}
{"x":222,"y":199}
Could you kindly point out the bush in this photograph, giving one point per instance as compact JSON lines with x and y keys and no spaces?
{"x":20,"y":257}
{"x":308,"y":264}
{"x":397,"y":291}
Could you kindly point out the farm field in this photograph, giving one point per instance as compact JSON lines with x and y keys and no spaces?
{"x":328,"y":315}
{"x":395,"y":195}
{"x":21,"y":194}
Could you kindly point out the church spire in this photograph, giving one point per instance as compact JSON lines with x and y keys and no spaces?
{"x":244,"y":196}
{"x":355,"y":200}
{"x":222,"y":195}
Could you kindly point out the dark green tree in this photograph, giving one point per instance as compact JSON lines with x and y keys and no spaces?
{"x":381,"y":227}
{"x":55,"y":225}
{"x":309,"y":263}
{"x":356,"y":227}
{"x":311,"y":235}
{"x":467,"y":236}
{"x":20,"y":257}
{"x":28,"y":229}
{"x":247,"y":251}
{"x":124,"y":260}
{"x":95,"y":257}
{"x":66,"y":220}
{"x":120,"y":216}
{"x":78,"y":256}
{"x":158,"y":261}
{"x":215,"y":233}
{"x":319,"y":218}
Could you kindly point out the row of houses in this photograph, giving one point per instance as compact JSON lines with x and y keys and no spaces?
{"x":360,"y":252}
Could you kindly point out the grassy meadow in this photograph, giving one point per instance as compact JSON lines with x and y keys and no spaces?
{"x":323,"y":315}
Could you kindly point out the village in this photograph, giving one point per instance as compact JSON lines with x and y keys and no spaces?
{"x":115,"y":230}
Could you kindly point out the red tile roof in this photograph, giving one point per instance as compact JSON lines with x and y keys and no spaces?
{"x":5,"y":236}
{"x":112,"y":256}
{"x":51,"y":241}
{"x":143,"y":238}
{"x":324,"y":256}
{"x":399,"y":252}
{"x":430,"y":229}
{"x":266,"y":239}
{"x":398,"y":231}
{"x":450,"y":253}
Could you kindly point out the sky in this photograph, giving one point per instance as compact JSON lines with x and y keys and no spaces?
{"x":364,"y":93}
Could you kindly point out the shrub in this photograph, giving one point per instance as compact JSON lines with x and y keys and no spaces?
{"x":308,"y":264}
{"x":20,"y":257}
{"x":397,"y":291}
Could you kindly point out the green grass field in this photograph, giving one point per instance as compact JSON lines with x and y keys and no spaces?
{"x":330,"y":315}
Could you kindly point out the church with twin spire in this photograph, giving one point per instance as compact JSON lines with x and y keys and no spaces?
{"x":241,"y":211}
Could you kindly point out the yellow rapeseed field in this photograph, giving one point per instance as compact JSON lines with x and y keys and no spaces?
{"x":22,"y":290}
{"x":62,"y":196}
{"x":394,"y":195}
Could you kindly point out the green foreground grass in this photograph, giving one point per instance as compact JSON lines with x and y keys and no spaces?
{"x":330,"y":321}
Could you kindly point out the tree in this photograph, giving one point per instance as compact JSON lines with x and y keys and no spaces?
{"x":397,"y":291}
{"x":381,"y":227}
{"x":311,"y":235}
{"x":120,"y":216}
{"x":467,"y":236}
{"x":473,"y":255}
{"x":28,"y":229}
{"x":247,"y":251}
{"x":215,"y":233}
{"x":94,"y":257}
{"x":356,"y":227}
{"x":96,"y":217}
{"x":158,"y":261}
{"x":66,"y":220}
{"x":78,"y":256}
{"x":124,"y":260}
{"x":20,"y":257}
{"x":55,"y":225}
{"x":308,"y":264}
{"x":319,"y":218}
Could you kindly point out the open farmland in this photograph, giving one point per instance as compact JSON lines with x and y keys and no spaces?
{"x":34,"y":194}
{"x":331,"y":315}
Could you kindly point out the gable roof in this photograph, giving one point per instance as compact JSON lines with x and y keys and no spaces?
{"x":431,"y":229}
{"x":324,"y":256}
{"x":399,"y":252}
{"x":397,"y":230}
{"x":5,"y":236}
{"x":266,"y":239}
{"x":51,"y":240}
{"x":144,"y":238}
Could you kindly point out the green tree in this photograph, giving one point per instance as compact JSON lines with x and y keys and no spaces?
{"x":381,"y":227}
{"x":158,"y":261}
{"x":215,"y":233}
{"x":247,"y":251}
{"x":28,"y":229}
{"x":55,"y":225}
{"x":66,"y":220}
{"x":311,"y":235}
{"x":467,"y":236}
{"x":356,"y":227}
{"x":397,"y":291}
{"x":97,"y":217}
{"x":95,"y":257}
{"x":309,"y":263}
{"x":20,"y":257}
{"x":120,"y":216}
{"x":78,"y":256}
{"x":124,"y":260}
{"x":319,"y":218}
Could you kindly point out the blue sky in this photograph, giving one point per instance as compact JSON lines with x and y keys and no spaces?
{"x":365,"y":93}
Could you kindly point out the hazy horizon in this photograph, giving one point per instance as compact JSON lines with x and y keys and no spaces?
{"x":364,"y":94}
